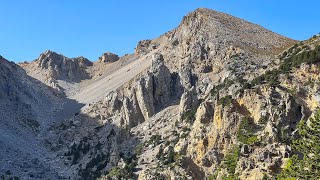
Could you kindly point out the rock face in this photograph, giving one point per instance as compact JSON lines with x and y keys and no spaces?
{"x":58,"y":71}
{"x":145,"y":46}
{"x":204,"y":103}
{"x":108,"y":57}
{"x":220,"y":45}
{"x":141,"y":98}
{"x":63,"y":68}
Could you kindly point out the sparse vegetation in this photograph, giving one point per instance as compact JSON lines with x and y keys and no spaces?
{"x":264,"y":119}
{"x":155,"y":140}
{"x":226,"y":83}
{"x":167,"y":157}
{"x":308,"y":166}
{"x":225,"y":101}
{"x":139,"y":148}
{"x":212,"y":177}
{"x":230,"y":162}
{"x":294,"y":57}
{"x":246,"y":131}
{"x":284,"y":135}
{"x":189,"y":116}
{"x":123,"y":173}
{"x":99,"y":162}
{"x":76,"y":150}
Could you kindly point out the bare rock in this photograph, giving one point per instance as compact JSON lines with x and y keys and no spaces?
{"x":108,"y":57}
{"x":161,"y":80}
{"x":63,"y":68}
{"x":145,"y":97}
{"x":189,"y":101}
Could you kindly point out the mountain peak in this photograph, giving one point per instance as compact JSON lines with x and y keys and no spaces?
{"x":202,"y":14}
{"x":229,"y":30}
{"x":50,"y":55}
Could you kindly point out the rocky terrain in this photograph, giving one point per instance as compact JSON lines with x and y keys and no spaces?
{"x":216,"y":98}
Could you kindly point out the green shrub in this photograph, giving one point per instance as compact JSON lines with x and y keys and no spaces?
{"x":212,"y":177}
{"x":189,"y":115}
{"x":139,"y":148}
{"x":160,"y":153}
{"x":265,"y":177}
{"x":225,"y":101}
{"x":115,"y":172}
{"x":264,"y":119}
{"x":308,"y":144}
{"x":155,"y":139}
{"x":293,"y":58}
{"x":123,"y":173}
{"x":245,"y":133}
{"x":169,"y":157}
{"x":226,"y":83}
{"x":230,"y":161}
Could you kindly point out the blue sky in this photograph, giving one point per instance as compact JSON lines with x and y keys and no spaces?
{"x":89,"y":28}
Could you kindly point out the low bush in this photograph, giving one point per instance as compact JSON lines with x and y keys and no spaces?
{"x":225,"y":101}
{"x":230,"y":162}
{"x":245,"y":133}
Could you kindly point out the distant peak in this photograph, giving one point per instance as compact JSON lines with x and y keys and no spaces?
{"x":50,"y":55}
{"x":109,"y":57}
{"x":203,"y":16}
{"x":204,"y":11}
{"x":201,"y":12}
{"x":49,"y":52}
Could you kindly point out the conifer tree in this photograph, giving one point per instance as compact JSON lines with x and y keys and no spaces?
{"x":307,"y":167}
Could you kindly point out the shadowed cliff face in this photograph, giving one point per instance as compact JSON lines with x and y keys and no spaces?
{"x":44,"y":135}
{"x":25,"y":108}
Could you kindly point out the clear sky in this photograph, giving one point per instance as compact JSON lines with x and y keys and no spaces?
{"x":90,"y":27}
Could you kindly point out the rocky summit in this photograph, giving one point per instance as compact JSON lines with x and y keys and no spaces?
{"x":216,"y":98}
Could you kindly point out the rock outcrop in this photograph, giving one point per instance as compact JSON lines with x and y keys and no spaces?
{"x":63,"y":68}
{"x":108,"y":57}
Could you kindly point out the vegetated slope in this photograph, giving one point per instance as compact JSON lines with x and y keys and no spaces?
{"x":211,"y":99}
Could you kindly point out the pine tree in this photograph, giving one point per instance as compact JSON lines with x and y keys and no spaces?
{"x":308,"y":167}
{"x":313,"y":57}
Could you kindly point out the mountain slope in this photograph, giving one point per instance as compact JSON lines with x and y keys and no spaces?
{"x":217,"y":97}
{"x":25,"y":108}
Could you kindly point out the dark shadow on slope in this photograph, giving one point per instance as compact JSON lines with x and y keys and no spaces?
{"x":27,"y":109}
{"x":25,"y":106}
{"x":64,"y":108}
{"x":193,"y":170}
{"x":90,"y":148}
{"x":175,"y":90}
